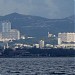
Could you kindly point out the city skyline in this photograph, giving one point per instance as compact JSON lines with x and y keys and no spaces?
{"x":37,"y":37}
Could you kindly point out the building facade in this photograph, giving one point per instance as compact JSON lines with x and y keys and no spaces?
{"x":66,"y":38}
{"x":41,"y":44}
{"x":6,"y":27}
{"x":8,"y":33}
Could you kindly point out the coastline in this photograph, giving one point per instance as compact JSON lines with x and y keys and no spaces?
{"x":37,"y":53}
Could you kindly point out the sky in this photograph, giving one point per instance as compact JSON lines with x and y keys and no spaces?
{"x":44,"y":8}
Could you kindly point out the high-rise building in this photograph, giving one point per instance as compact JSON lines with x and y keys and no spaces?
{"x":8,"y":33}
{"x":0,"y":36}
{"x":6,"y":27}
{"x":0,"y":27}
{"x":41,"y":44}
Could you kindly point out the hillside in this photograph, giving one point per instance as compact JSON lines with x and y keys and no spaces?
{"x":39,"y":26}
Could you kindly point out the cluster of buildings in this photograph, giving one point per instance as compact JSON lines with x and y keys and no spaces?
{"x":65,"y":40}
{"x":6,"y":33}
{"x":40,"y":45}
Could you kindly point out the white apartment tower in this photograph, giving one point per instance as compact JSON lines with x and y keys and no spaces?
{"x":8,"y":33}
{"x":6,"y":27}
{"x":41,"y":44}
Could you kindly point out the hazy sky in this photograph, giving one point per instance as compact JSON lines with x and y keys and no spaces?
{"x":44,"y":8}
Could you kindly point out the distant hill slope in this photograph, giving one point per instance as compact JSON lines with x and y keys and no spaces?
{"x":39,"y":26}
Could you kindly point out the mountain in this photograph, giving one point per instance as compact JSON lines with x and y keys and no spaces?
{"x":39,"y":26}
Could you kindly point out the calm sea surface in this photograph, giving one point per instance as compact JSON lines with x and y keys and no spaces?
{"x":37,"y":66}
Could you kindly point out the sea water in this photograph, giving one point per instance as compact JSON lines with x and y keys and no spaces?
{"x":37,"y":66}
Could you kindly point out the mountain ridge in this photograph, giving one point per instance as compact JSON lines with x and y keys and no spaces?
{"x":39,"y":26}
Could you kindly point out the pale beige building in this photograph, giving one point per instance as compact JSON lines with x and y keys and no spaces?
{"x":66,"y":40}
{"x":49,"y":35}
{"x":66,"y":37}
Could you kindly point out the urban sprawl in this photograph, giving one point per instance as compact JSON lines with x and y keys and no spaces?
{"x":7,"y":34}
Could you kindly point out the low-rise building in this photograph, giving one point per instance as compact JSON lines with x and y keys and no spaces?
{"x":36,"y":45}
{"x":49,"y":35}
